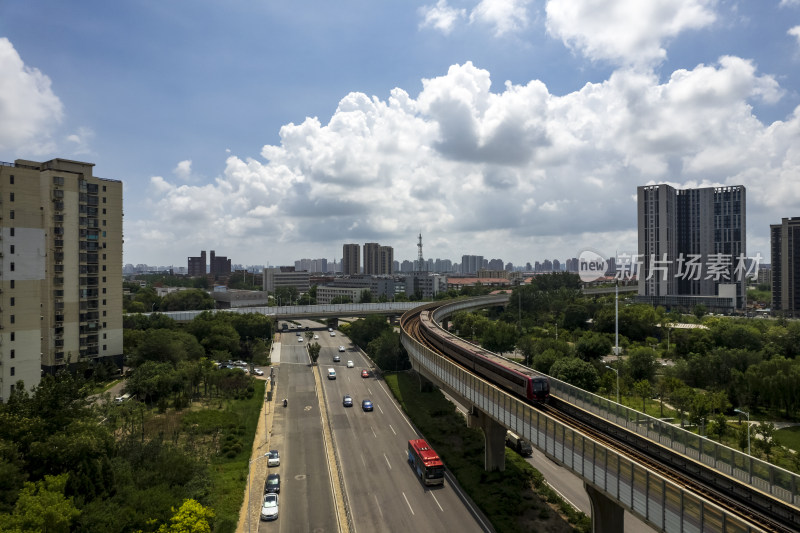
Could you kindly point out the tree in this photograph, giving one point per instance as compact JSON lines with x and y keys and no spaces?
{"x":681,"y":398}
{"x":499,"y":337}
{"x":42,"y":506}
{"x":592,"y":346}
{"x":699,"y":311}
{"x":767,"y":440}
{"x":643,"y":389}
{"x":366,"y":296}
{"x":544,"y":361}
{"x":641,"y":364}
{"x":190,"y":518}
{"x":576,"y":372}
{"x":313,"y":352}
{"x":719,"y":426}
{"x":742,"y":436}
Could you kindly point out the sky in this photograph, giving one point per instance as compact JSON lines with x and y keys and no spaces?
{"x":272,"y":131}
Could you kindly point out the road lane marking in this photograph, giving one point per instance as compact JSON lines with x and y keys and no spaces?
{"x":437,"y":501}
{"x":409,"y":505}
{"x":373,"y":432}
{"x":369,"y":391}
{"x":393,"y":431}
{"x":377,"y":504}
{"x":379,"y":409}
{"x":387,"y":461}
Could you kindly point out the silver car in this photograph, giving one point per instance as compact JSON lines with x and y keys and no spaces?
{"x":269,"y":510}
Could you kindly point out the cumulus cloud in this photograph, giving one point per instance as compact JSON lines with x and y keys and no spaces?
{"x":795,"y":32}
{"x":625,"y":32}
{"x":80,"y":141}
{"x":184,"y":170}
{"x":516,"y":165}
{"x":785,"y":3}
{"x":505,"y":16}
{"x":441,"y":16}
{"x":27,"y":105}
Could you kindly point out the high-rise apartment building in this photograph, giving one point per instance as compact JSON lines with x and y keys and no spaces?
{"x":785,"y":262}
{"x":385,"y":261}
{"x":371,"y":258}
{"x":470,"y":264}
{"x":351,"y":259}
{"x":692,"y":245}
{"x":197,"y":265}
{"x":60,"y":269}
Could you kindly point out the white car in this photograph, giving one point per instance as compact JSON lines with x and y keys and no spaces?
{"x":273,"y":458}
{"x":269,"y":510}
{"x":258,"y":372}
{"x":330,"y":329}
{"x":299,"y":339}
{"x":316,"y":337}
{"x":333,"y":333}
{"x":350,"y":364}
{"x":341,"y":348}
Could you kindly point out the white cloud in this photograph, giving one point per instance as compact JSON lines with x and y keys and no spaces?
{"x":485,"y":169}
{"x":184,"y":170}
{"x":785,"y":3}
{"x":795,"y":32}
{"x":29,"y":109}
{"x":80,"y":141}
{"x":441,"y":16}
{"x":505,"y":16}
{"x":625,"y":32}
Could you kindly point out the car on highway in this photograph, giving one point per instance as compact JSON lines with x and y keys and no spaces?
{"x":269,"y":509}
{"x":299,"y":339}
{"x":341,"y":348}
{"x":350,"y":364}
{"x":273,"y":458}
{"x":273,"y":484}
{"x":258,"y":372}
{"x":330,"y":329}
{"x":316,"y":337}
{"x":366,"y":405}
{"x":336,"y":359}
{"x":333,"y":333}
{"x":347,"y":401}
{"x":365,"y":373}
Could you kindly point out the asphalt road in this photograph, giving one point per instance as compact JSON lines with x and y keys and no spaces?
{"x":306,"y":498}
{"x":383,"y":492}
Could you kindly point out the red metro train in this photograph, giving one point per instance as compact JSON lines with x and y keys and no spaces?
{"x":521,"y":380}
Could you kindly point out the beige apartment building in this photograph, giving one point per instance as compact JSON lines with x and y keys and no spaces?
{"x":60,"y":269}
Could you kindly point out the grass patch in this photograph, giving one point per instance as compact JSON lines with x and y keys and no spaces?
{"x":515,"y":500}
{"x":789,"y":437}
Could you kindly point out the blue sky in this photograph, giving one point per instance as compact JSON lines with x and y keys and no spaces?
{"x":272,"y":131}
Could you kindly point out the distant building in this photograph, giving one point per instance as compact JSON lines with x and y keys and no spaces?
{"x":275,"y":277}
{"x":220,"y":266}
{"x":785,"y":262}
{"x":470,"y":264}
{"x":351,"y":259}
{"x":705,"y":225}
{"x":197,"y":266}
{"x":425,"y":284}
{"x":60,"y":269}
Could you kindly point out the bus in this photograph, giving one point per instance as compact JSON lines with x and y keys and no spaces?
{"x":425,"y":462}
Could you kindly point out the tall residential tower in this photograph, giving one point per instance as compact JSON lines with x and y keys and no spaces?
{"x":785,"y":252}
{"x":60,"y":269}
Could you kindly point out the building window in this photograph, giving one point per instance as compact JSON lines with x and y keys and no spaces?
{"x":11,"y":197}
{"x":104,"y":314}
{"x":11,"y":179}
{"x":104,"y":290}
{"x":12,"y":301}
{"x":104,"y":325}
{"x":104,"y":268}
{"x":104,"y":199}
{"x":12,"y":336}
{"x":104,"y":303}
{"x":11,"y":249}
{"x":104,"y":223}
{"x":10,"y":232}
{"x":12,"y":354}
{"x":104,"y":210}
{"x":104,"y":348}
{"x":13,"y":319}
{"x":104,"y":279}
{"x":104,"y":257}
{"x":104,"y":188}
{"x":58,"y":180}
{"x":11,"y":215}
{"x":12,"y":370}
{"x":104,"y":337}
{"x":12,"y":266}
{"x":12,"y":283}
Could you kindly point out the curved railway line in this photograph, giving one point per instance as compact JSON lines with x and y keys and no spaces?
{"x":695,"y":477}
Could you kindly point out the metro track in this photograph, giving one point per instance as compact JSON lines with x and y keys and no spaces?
{"x":411,"y":324}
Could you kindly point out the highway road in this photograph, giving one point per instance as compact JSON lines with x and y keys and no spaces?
{"x":382,"y":491}
{"x":306,"y":498}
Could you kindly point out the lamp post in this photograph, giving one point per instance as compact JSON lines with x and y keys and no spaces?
{"x":617,"y":373}
{"x":250,"y":462}
{"x":152,"y":308}
{"x":745,"y":413}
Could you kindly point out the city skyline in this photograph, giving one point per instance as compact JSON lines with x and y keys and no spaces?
{"x":501,"y":126}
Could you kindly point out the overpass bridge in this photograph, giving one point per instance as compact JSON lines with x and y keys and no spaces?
{"x":290,"y":312}
{"x":613,"y":481}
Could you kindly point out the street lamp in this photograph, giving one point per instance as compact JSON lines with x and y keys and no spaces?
{"x":617,"y":373}
{"x":745,"y":413}
{"x":152,"y":307}
{"x":250,"y":462}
